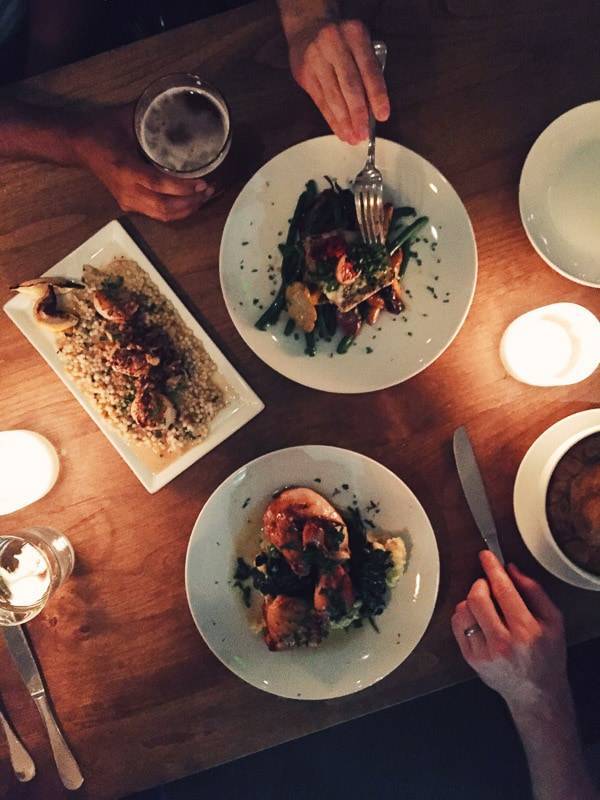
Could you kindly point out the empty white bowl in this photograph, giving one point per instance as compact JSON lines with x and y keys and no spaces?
{"x":559,"y":198}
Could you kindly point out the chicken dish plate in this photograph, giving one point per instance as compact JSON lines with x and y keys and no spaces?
{"x":317,"y":569}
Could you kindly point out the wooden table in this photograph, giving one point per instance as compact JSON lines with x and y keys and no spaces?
{"x":140,"y":697}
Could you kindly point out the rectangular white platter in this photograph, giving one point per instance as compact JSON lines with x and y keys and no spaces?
{"x":109,"y":242}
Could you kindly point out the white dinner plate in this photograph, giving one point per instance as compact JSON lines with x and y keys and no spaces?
{"x":441,"y":289}
{"x":529,"y":497}
{"x":110,"y":242}
{"x":230,"y":522}
{"x":559,"y":194}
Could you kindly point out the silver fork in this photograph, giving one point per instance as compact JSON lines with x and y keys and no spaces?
{"x":20,"y":759}
{"x":368,"y":184}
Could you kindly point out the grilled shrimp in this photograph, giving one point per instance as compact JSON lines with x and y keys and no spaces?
{"x":133,"y":360}
{"x":117,"y":311}
{"x":152,"y":410}
{"x":298,"y":518}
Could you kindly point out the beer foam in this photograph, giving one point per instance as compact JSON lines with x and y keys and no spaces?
{"x":184,"y":129}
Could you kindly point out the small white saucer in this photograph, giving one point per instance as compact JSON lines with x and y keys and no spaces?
{"x":529,"y":497}
{"x":29,"y":468}
{"x":559,"y":197}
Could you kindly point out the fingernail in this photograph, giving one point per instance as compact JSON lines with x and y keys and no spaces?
{"x":382,"y":112}
{"x":200,"y":186}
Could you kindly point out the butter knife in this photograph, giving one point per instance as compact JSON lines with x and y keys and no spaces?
{"x":472,"y":484}
{"x":20,"y":651}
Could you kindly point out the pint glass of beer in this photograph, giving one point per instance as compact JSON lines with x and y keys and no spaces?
{"x":183,"y":125}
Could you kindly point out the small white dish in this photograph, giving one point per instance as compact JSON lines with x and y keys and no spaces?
{"x":559,"y":198}
{"x":531,"y":486}
{"x":440,"y":289}
{"x":110,"y":242}
{"x":229,"y":525}
{"x":29,"y":468}
{"x":556,"y":345}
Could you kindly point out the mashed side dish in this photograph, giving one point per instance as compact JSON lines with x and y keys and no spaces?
{"x":317,"y":570}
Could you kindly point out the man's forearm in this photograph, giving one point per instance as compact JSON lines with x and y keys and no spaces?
{"x":548,"y":730}
{"x":33,"y":132}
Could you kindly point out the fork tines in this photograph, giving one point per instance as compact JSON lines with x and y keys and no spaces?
{"x":369,"y":213}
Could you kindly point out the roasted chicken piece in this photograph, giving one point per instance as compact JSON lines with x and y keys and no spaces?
{"x":291,"y":622}
{"x":298,"y":518}
{"x":334,"y":594}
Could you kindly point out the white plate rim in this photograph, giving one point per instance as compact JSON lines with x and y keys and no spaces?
{"x":332,"y":449}
{"x":528,"y":166}
{"x":384,"y":384}
{"x":249,"y":403}
{"x":533,"y":462}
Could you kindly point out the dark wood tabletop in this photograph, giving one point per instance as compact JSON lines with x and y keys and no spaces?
{"x":139,"y":695}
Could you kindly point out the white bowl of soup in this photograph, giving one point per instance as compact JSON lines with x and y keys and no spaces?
{"x":570,"y":502}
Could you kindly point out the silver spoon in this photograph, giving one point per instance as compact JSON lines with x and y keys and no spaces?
{"x":21,"y":761}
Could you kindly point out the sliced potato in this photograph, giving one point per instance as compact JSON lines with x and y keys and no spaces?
{"x":300,"y":306}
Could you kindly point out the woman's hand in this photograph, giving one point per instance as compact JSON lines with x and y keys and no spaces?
{"x":107,"y":146}
{"x":335,"y":63}
{"x":520,"y":648}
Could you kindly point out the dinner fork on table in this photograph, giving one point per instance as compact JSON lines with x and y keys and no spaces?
{"x":368,"y":184}
{"x":21,"y":761}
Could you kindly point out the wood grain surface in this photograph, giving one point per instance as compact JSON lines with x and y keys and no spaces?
{"x":139,"y":695}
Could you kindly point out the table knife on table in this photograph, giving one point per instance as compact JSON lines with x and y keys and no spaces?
{"x":19,"y":649}
{"x":472,"y":484}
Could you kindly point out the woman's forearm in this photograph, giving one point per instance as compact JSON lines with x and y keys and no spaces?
{"x":548,"y":729}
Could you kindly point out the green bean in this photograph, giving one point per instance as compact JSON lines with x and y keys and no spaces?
{"x":405,"y":211}
{"x":328,"y":312}
{"x":396,"y":223}
{"x":407,"y":233}
{"x":321,"y":325}
{"x":311,"y":347}
{"x":302,"y":206}
{"x":344,"y":344}
{"x":406,"y":254}
{"x":271,"y":315}
{"x":291,"y":266}
{"x":289,"y":327}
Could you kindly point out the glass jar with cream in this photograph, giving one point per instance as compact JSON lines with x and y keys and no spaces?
{"x":34,"y":562}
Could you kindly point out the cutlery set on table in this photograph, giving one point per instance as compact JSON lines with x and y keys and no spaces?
{"x":20,"y":650}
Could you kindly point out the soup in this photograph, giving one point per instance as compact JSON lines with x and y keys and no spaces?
{"x":573,"y":503}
